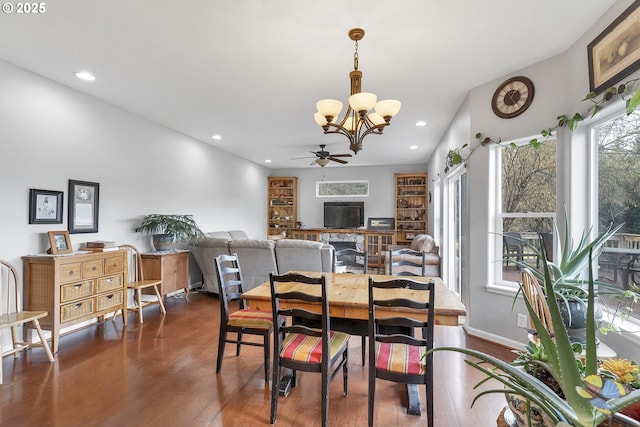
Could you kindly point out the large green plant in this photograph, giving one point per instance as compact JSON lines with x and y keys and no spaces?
{"x":181,"y":227}
{"x":566,"y":274}
{"x":560,"y":358}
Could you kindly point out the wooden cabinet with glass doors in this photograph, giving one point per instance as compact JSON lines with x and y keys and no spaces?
{"x":282,"y":205}
{"x":410,"y":206}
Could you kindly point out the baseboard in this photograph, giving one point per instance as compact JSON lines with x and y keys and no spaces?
{"x":494,"y":338}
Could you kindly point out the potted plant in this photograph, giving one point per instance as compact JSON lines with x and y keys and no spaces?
{"x":567,"y":284}
{"x":557,"y":356}
{"x":165,"y":229}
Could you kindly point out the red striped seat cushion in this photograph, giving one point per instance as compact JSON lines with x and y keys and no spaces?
{"x":402,"y":358}
{"x":309,"y":349}
{"x":251,"y":319}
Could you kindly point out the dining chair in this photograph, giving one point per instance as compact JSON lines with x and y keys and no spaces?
{"x":534,"y":294}
{"x":12,"y":316}
{"x":241,"y":320}
{"x":136,"y":284}
{"x":396,"y":353}
{"x":406,"y":262}
{"x":349,"y":260}
{"x":304,"y":348}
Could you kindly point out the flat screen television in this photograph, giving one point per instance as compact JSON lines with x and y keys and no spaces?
{"x":343,"y":214}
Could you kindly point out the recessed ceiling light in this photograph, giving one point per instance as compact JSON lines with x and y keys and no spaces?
{"x":413,"y":147}
{"x":267,"y":161}
{"x":84,"y":75}
{"x":216,"y":137}
{"x":421,"y":123}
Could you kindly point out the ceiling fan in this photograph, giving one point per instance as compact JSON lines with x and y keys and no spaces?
{"x":323,"y":157}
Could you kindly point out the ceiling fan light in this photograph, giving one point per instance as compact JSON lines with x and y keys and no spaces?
{"x":376,"y":119}
{"x":322,"y":162}
{"x":329,"y":107}
{"x":388,"y":107}
{"x":363,"y":101}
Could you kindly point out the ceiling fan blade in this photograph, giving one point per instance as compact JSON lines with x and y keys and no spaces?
{"x":337,"y":160}
{"x":312,"y":163}
{"x":341,"y":155}
{"x":298,"y":158}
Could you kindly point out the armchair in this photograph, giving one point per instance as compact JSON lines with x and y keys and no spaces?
{"x":421,"y":243}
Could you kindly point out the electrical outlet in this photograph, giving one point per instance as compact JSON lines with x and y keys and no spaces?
{"x":522,"y":320}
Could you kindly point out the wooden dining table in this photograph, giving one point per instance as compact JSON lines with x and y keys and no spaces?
{"x":348,"y":295}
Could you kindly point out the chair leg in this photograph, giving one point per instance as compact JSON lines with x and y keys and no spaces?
{"x":222,"y":339}
{"x":14,"y":341}
{"x":275,"y":389}
{"x":325,"y":399}
{"x":139,"y":302}
{"x":372,"y":391}
{"x":44,"y":342}
{"x":162,"y":309}
{"x":364,"y":349}
{"x":238,"y":344}
{"x":345,"y":373}
{"x":267,"y":355}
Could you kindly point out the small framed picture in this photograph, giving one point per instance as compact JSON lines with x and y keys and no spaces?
{"x":409,"y":236}
{"x":60,"y":242}
{"x":45,"y":206}
{"x":83,"y":206}
{"x":381,"y":224}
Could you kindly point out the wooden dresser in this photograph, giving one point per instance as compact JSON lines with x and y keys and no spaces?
{"x":74,"y":288}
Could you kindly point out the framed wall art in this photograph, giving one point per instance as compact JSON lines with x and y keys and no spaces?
{"x":45,"y":206}
{"x":342,"y":189}
{"x":380,"y":224}
{"x":615,"y":53}
{"x":60,"y":242}
{"x":83,"y":206}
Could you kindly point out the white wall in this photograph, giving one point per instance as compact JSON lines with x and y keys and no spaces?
{"x":560,"y":85}
{"x":50,"y":134}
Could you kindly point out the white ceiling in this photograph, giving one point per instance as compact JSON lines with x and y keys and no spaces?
{"x":252,"y":70}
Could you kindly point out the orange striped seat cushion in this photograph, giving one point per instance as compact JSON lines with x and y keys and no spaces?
{"x":309,"y":349}
{"x":251,"y":319}
{"x":402,"y":358}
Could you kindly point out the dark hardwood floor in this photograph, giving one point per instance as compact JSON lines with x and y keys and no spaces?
{"x":163,"y":374}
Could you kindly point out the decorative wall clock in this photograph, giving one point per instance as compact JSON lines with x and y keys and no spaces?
{"x":512,"y":97}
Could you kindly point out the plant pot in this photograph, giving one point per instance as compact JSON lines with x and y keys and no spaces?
{"x":518,"y":406}
{"x":632,"y":411}
{"x":162,"y":242}
{"x":575,"y":318}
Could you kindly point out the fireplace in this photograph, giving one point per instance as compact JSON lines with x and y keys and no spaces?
{"x":341,"y":244}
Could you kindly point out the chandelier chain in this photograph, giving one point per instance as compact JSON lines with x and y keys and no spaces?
{"x":355,"y":57}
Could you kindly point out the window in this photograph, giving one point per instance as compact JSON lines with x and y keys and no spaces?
{"x":617,"y":143}
{"x":528,"y":204}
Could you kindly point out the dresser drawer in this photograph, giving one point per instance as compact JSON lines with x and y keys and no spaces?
{"x":108,"y":300}
{"x":92,"y":268}
{"x":108,"y":283}
{"x":114,"y":264}
{"x":77,"y":290}
{"x":70,"y":272}
{"x":74,"y":311}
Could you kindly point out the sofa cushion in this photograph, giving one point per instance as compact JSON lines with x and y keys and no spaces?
{"x":257,"y":259}
{"x":303,"y":255}
{"x":219,"y":235}
{"x":238,"y":235}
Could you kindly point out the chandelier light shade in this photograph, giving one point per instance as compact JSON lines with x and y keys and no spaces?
{"x":359,"y":120}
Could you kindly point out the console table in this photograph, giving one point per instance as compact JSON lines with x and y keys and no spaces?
{"x":74,"y":288}
{"x":171,"y":267}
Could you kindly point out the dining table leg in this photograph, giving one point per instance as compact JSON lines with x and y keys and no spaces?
{"x":414,"y":399}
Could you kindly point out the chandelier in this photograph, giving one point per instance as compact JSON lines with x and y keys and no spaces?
{"x":358,"y":121}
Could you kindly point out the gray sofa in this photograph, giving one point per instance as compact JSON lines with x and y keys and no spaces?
{"x":259,"y":257}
